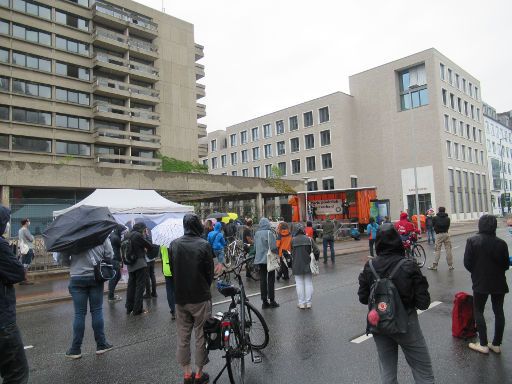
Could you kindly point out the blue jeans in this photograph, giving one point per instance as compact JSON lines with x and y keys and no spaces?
{"x":330,"y":243}
{"x":219,"y":254}
{"x":169,"y":287}
{"x":13,"y":362}
{"x":26,"y":259}
{"x":431,"y":235}
{"x":83,"y":290}
{"x":112,"y":284}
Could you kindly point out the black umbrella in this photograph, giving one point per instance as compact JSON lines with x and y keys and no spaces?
{"x":80,"y":229}
{"x":216,"y":215}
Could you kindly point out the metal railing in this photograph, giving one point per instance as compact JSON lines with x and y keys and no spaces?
{"x":127,"y":16}
{"x":132,"y":65}
{"x":101,"y":32}
{"x":141,"y":44}
{"x":121,"y":86}
{"x":125,"y":135}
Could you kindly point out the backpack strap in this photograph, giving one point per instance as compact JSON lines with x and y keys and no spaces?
{"x":397,"y":267}
{"x":373,"y":270}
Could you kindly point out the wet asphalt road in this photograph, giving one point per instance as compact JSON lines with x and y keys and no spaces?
{"x":305,"y":347}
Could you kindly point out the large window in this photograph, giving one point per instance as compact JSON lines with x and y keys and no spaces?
{"x":31,"y":144}
{"x":234,"y":158}
{"x":267,"y":131}
{"x":281,"y":148}
{"x":232,"y":140}
{"x":311,"y":164}
{"x":413,"y":87}
{"x":325,"y":138}
{"x":308,"y":119}
{"x":32,"y":8}
{"x":72,"y":96}
{"x":294,"y":145}
{"x":268,"y":150}
{"x":4,"y":112}
{"x":279,"y":127}
{"x":243,"y":137}
{"x":71,"y":20}
{"x":245,"y":156}
{"x":255,"y":134}
{"x":31,"y":116}
{"x":295,"y":166}
{"x":213,"y":145}
{"x":245,"y":172}
{"x":4,"y":84}
{"x":72,"y":70}
{"x":31,"y":89}
{"x":83,"y":3}
{"x":71,"y":45}
{"x":223,"y":161}
{"x":313,"y":185}
{"x":309,"y":141}
{"x":4,"y":142}
{"x":255,"y":153}
{"x":4,"y":55}
{"x":327,"y":184}
{"x":256,"y":172}
{"x":68,"y":148}
{"x":30,"y":61}
{"x":451,"y":184}
{"x":294,"y":123}
{"x":282,"y":168}
{"x":323,"y":114}
{"x":268,"y":170}
{"x":73,"y":122}
{"x":326,"y":161}
{"x":31,"y":34}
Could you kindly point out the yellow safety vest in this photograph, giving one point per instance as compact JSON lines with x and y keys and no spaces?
{"x":166,"y":264}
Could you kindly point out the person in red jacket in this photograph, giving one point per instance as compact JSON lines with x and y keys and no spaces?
{"x":404,"y":227}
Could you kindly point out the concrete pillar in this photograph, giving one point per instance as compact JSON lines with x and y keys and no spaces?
{"x":221,"y":205}
{"x":259,"y":205}
{"x":5,"y":196}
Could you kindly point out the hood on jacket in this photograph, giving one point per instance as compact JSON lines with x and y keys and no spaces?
{"x":5,"y":216}
{"x":192,"y":225}
{"x":264,"y":224}
{"x":488,"y":224}
{"x":218,"y":226}
{"x":404,"y":216}
{"x":139,"y":227}
{"x":442,"y":214}
{"x":299,"y":230}
{"x":388,"y":241}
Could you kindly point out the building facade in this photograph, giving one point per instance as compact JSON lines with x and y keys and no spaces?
{"x":110,"y":84}
{"x":420,"y":113}
{"x":499,"y":158}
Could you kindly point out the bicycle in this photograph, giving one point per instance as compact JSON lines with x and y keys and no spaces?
{"x":243,"y":328}
{"x":236,"y":252}
{"x":415,"y":251}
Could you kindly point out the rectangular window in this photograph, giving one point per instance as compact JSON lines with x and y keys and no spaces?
{"x":456,"y":151}
{"x":452,"y":101}
{"x":72,"y":70}
{"x":467,"y":200}
{"x":325,"y":138}
{"x":472,"y":111}
{"x":476,"y":155}
{"x":31,"y":34}
{"x":443,"y":93}
{"x":460,"y":204}
{"x":68,"y":148}
{"x":232,"y":140}
{"x":267,"y":131}
{"x":311,"y":163}
{"x":213,"y":145}
{"x":245,"y":156}
{"x":4,"y":112}
{"x":71,"y":45}
{"x":454,"y":126}
{"x":32,"y":8}
{"x":281,"y":148}
{"x":449,"y":148}
{"x":279,"y":127}
{"x":234,"y":158}
{"x":4,"y":84}
{"x":71,"y":20}
{"x":294,"y":123}
{"x":476,"y":98}
{"x":308,"y":119}
{"x":72,"y":96}
{"x":4,"y":27}
{"x":255,"y":134}
{"x":4,"y":141}
{"x":282,"y":168}
{"x":463,"y":152}
{"x":309,"y":141}
{"x":223,"y":161}
{"x":450,"y":76}
{"x":323,"y":115}
{"x":461,"y":128}
{"x":295,"y":166}
{"x":326,"y":161}
{"x":457,"y":81}
{"x":214,"y":163}
{"x":480,"y":201}
{"x":294,"y":145}
{"x":31,"y":116}
{"x":441,"y":70}
{"x":31,"y":89}
{"x":327,"y":184}
{"x":255,"y":153}
{"x":312,"y":185}
{"x":447,"y":123}
{"x":451,"y":184}
{"x":31,"y":144}
{"x":413,"y":87}
{"x":256,"y":172}
{"x":470,"y":89}
{"x":470,"y":154}
{"x":464,"y":85}
{"x":268,"y":150}
{"x":73,"y":122}
{"x":473,"y":192}
{"x":353,"y":182}
{"x":474,"y":134}
{"x":245,"y":172}
{"x":234,"y":173}
{"x":243,"y":137}
{"x":268,"y":170}
{"x":4,"y":55}
{"x":459,"y":104}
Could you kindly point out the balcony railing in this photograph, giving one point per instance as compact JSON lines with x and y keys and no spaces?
{"x":141,"y":44}
{"x":143,"y":91}
{"x":105,"y":33}
{"x":134,"y":66}
{"x":103,"y":107}
{"x":124,"y":135}
{"x":144,"y":114}
{"x":143,"y":68}
{"x":123,"y":159}
{"x":120,"y":86}
{"x":127,"y":16}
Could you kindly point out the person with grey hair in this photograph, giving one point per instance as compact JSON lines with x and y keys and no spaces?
{"x":302,"y":246}
{"x":26,"y":247}
{"x":264,"y":239}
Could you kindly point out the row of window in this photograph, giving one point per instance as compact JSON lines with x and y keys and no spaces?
{"x":31,"y":116}
{"x":28,"y":88}
{"x":463,"y":130}
{"x":495,"y":148}
{"x":34,"y":144}
{"x":293,"y":125}
{"x":44,"y":64}
{"x":460,"y":152}
{"x":460,"y":105}
{"x":38,"y":36}
{"x":465,"y":187}
{"x":498,"y":131}
{"x":459,"y":82}
{"x":413,"y":87}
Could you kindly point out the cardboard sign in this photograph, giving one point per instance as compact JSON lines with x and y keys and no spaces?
{"x":327,"y":207}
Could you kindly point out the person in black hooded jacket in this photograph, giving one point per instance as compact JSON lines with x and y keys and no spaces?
{"x":13,"y":362}
{"x":413,"y":289}
{"x":192,"y":267}
{"x":487,"y":258}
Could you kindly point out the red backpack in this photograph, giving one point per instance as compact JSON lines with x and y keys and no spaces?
{"x":463,"y":318}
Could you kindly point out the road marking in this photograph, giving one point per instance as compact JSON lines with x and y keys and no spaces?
{"x":360,"y":339}
{"x":254,"y":294}
{"x":28,"y":347}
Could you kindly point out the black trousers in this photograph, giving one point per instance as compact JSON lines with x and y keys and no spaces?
{"x":371,"y":242}
{"x":112,"y":284}
{"x":479,"y":300}
{"x":267,"y":282}
{"x":13,"y":362}
{"x":151,"y":279}
{"x":136,"y":284}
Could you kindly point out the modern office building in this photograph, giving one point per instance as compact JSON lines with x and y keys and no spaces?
{"x":498,"y":133}
{"x":422,"y":112}
{"x":110,"y":84}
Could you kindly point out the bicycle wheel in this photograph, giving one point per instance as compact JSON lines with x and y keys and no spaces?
{"x":235,"y":357}
{"x":419,"y":255}
{"x":252,"y":270}
{"x":228,"y":257}
{"x":256,"y":327}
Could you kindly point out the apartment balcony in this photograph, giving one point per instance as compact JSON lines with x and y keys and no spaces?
{"x":123,"y":161}
{"x":202,"y":150}
{"x":200,"y":91}
{"x":199,"y":71}
{"x":201,"y":110}
{"x":109,"y":87}
{"x":110,"y":14}
{"x":144,"y":94}
{"x":124,"y":114}
{"x":109,"y":40}
{"x":145,"y":117}
{"x":201,"y":131}
{"x":143,"y":72}
{"x":120,"y":66}
{"x":199,"y":51}
{"x":116,"y":137}
{"x":142,"y":49}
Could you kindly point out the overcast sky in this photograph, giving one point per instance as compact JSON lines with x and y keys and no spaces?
{"x":261,"y":56}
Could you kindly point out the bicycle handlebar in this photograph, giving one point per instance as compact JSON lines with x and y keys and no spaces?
{"x":236,"y":269}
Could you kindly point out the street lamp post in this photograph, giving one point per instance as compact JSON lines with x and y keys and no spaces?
{"x":306,"y":202}
{"x":503,"y":183}
{"x":415,"y":152}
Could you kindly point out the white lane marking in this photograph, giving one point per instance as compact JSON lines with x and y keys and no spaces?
{"x":360,"y":339}
{"x":28,"y":347}
{"x":254,"y":294}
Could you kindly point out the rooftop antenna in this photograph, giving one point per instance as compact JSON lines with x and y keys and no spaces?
{"x":163,"y":8}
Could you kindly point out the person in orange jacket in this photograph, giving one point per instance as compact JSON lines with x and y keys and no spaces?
{"x":284,"y":246}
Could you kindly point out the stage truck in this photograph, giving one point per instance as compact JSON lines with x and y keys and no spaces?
{"x":352,"y":205}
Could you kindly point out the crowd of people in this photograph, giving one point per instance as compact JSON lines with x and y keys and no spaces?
{"x":191,"y":262}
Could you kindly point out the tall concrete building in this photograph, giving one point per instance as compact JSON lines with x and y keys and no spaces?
{"x":110,"y":84}
{"x":420,"y":112}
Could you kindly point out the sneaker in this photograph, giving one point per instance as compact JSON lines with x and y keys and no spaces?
{"x":146,"y":296}
{"x":273,"y":304}
{"x":265,"y":305}
{"x":154,"y":294}
{"x":479,"y":348}
{"x":451,"y":267}
{"x":104,"y":348}
{"x":203,"y":379}
{"x":73,"y":355}
{"x":115,"y":298}
{"x":143,"y":312}
{"x":494,"y":348}
{"x":173,"y":315}
{"x":433,"y":267}
{"x":190,"y":379}
{"x":301,"y":306}
{"x":309,"y":305}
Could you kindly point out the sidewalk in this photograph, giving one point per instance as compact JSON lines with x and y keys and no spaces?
{"x":53,"y":287}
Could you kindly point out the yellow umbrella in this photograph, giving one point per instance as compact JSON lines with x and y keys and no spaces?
{"x":231,"y":215}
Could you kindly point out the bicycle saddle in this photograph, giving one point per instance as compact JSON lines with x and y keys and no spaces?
{"x":227,"y":289}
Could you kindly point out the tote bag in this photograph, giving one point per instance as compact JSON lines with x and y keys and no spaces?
{"x":313,"y":264}
{"x":272,"y":258}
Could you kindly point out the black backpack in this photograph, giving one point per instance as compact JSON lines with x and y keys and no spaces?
{"x":385,"y":300}
{"x":127,"y":254}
